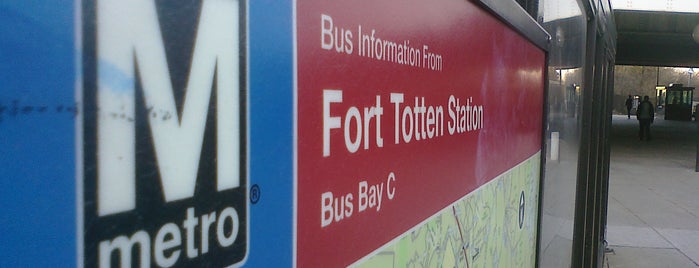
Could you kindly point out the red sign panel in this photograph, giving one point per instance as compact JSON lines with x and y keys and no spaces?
{"x":403,"y":107}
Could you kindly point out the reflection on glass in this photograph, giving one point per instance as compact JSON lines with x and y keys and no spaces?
{"x":556,"y":10}
{"x":564,"y":21}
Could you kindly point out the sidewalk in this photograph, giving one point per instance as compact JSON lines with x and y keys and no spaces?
{"x":653,"y":215}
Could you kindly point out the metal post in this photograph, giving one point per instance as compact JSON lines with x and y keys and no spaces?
{"x":696,"y":163}
{"x":690,"y":72}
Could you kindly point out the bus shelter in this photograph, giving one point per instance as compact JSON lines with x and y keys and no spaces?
{"x":678,"y":102}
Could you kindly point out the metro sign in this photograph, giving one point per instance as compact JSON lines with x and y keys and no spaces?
{"x":164,"y":167}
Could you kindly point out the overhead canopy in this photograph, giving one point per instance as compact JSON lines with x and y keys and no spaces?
{"x":656,"y":38}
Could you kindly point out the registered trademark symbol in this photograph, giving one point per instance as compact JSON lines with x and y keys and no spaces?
{"x":255,"y":194}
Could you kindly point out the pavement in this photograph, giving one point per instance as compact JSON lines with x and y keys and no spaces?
{"x":653,"y":209}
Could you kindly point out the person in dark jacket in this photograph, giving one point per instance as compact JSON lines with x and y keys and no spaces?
{"x":645,"y":113}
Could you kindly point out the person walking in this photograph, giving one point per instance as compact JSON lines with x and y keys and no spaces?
{"x":645,"y":113}
{"x":629,"y":104}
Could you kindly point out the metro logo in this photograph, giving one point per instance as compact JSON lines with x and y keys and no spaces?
{"x":178,"y":139}
{"x":164,"y":133}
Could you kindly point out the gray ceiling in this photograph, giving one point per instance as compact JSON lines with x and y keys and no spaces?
{"x":656,"y":38}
